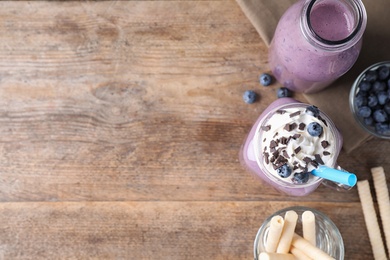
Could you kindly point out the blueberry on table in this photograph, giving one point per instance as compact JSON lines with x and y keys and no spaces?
{"x":249,"y":96}
{"x":284,"y":92}
{"x":314,"y":129}
{"x":300,"y":177}
{"x":380,"y":116}
{"x":383,"y":72}
{"x":364,"y":111}
{"x":284,"y":171}
{"x":265,"y":79}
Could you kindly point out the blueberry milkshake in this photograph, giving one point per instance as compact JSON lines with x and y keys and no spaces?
{"x":287,"y":142}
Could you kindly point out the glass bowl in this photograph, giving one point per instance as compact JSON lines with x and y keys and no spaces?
{"x":381,"y":130}
{"x":328,"y":235}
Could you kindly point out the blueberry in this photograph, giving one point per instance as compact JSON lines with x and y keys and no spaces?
{"x":284,"y":171}
{"x":249,"y":96}
{"x":265,"y":79}
{"x":314,"y":129}
{"x":300,"y":177}
{"x":360,"y":100}
{"x":383,"y":72}
{"x":313,"y":110}
{"x":371,"y":76}
{"x":284,"y":92}
{"x":382,"y":128}
{"x":365,"y":85}
{"x":386,"y":107}
{"x":378,"y":86}
{"x":372,"y":100}
{"x":382,"y":97}
{"x":369,"y":121}
{"x":364,"y":111}
{"x":380,"y":116}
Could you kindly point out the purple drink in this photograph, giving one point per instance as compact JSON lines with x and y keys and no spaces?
{"x":315,"y":42}
{"x":281,"y":138}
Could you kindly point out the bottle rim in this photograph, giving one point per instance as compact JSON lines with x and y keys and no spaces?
{"x":312,"y":36}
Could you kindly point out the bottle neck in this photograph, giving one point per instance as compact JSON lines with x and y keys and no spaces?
{"x":333,"y":25}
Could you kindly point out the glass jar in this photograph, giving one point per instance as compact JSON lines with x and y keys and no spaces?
{"x":316,"y":42}
{"x":328,"y":237}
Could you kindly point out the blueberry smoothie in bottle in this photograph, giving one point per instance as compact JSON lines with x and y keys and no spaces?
{"x":287,"y":142}
{"x":316,"y":42}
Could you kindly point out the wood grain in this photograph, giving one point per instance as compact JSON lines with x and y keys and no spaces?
{"x":120,"y":128}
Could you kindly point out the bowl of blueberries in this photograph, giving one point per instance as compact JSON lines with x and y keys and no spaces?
{"x":369,"y":99}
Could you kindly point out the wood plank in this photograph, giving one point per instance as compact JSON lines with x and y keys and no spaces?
{"x":150,"y":230}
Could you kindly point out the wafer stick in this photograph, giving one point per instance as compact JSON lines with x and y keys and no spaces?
{"x":299,"y":254}
{"x":382,"y":195}
{"x":276,"y":256}
{"x":274,"y":233}
{"x":309,"y":226}
{"x":371,"y":220}
{"x":290,"y":221}
{"x":310,"y":250}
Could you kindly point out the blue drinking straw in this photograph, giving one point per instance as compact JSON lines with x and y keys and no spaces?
{"x":335,"y":175}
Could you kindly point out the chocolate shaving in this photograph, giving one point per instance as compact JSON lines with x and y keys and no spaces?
{"x":285,"y":154}
{"x":324,"y":144}
{"x":314,"y":163}
{"x":280,"y":111}
{"x":296,"y":136}
{"x":275,"y":135}
{"x":319,"y":159}
{"x":266,"y":158}
{"x":326,"y":153}
{"x":307,"y":160}
{"x":266,"y":127}
{"x":290,"y":127}
{"x":302,"y":126}
{"x":323,"y":120}
{"x":273,"y":144}
{"x":297,"y":150}
{"x":295,"y":114}
{"x":284,"y":140}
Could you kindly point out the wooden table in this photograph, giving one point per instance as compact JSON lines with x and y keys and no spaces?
{"x":121,"y":123}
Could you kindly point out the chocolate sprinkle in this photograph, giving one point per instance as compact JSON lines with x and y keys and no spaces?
{"x":323,"y":120}
{"x":307,"y":160}
{"x":297,"y":150}
{"x":266,"y":127}
{"x":302,"y":126}
{"x":285,"y":154}
{"x":319,"y":159}
{"x":326,"y":153}
{"x":295,"y":114}
{"x":273,"y":144}
{"x":266,"y":158}
{"x":296,"y":136}
{"x":281,"y":111}
{"x":324,"y":144}
{"x":290,"y":127}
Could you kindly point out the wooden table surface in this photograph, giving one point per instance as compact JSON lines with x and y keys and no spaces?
{"x":121,"y":123}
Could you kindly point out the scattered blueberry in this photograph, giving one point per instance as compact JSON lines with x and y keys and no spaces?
{"x":364,"y":111}
{"x":314,"y":129}
{"x":284,"y":92}
{"x":265,"y":79}
{"x":313,"y":110}
{"x":380,"y":116}
{"x":300,"y":177}
{"x":249,"y":96}
{"x":284,"y":171}
{"x":383,"y":72}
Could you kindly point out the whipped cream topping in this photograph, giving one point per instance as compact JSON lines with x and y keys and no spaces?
{"x":285,"y":140}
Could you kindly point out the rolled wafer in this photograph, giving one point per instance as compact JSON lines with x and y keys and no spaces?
{"x":371,"y":220}
{"x":310,"y":250}
{"x":382,"y":196}
{"x":290,"y":221}
{"x":309,"y":226}
{"x":299,"y":254}
{"x":274,"y":233}
{"x":276,"y":256}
